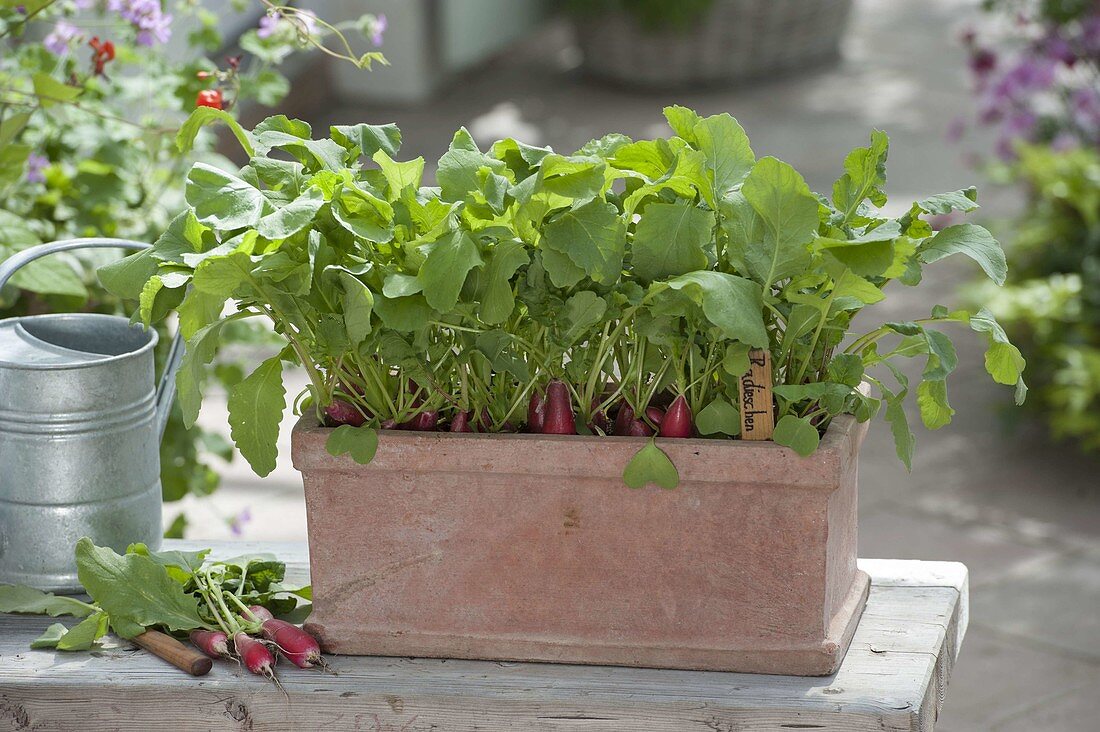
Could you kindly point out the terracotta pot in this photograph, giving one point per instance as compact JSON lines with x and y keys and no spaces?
{"x":530,"y":548}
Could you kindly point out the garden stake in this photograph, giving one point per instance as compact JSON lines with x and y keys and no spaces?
{"x":757,"y":404}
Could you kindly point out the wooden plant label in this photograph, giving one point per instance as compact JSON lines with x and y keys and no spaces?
{"x":757,"y":403}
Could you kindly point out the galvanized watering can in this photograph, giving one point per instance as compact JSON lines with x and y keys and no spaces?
{"x":80,"y":426}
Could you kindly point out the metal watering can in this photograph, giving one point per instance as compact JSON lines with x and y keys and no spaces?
{"x":80,"y":426}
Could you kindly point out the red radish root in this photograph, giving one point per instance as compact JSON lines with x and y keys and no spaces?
{"x":213,"y":643}
{"x":558,"y":418}
{"x":677,"y":420}
{"x":254,"y":655}
{"x":461,"y":423}
{"x":261,"y":612}
{"x":536,"y":412}
{"x":298,"y":646}
{"x":341,"y":412}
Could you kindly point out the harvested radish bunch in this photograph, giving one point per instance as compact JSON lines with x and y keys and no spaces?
{"x":558,"y":416}
{"x":254,"y":655}
{"x":298,"y":646}
{"x":213,"y":643}
{"x":260,"y":612}
{"x":677,"y":420}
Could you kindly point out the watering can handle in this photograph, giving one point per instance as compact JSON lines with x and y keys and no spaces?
{"x":166,"y":389}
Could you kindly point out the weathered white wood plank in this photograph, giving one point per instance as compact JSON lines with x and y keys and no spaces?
{"x":892,"y":679}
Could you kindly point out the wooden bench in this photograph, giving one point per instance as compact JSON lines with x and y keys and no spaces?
{"x":893,"y":678}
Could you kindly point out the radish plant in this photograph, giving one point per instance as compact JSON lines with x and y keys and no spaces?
{"x":614,"y":291}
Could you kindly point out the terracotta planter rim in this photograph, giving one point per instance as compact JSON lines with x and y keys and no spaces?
{"x":698,"y":460}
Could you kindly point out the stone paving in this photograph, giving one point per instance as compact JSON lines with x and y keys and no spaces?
{"x":1023,"y":515}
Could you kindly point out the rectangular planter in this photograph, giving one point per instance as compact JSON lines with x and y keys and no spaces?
{"x":530,"y":548}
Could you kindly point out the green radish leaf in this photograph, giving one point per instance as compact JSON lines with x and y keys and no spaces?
{"x":669,"y":240}
{"x":202,"y":116}
{"x":497,"y":298}
{"x":127,"y":276}
{"x":135,"y":591}
{"x":797,"y":433}
{"x":935,"y":412}
{"x":972,"y":241}
{"x":593,"y":236}
{"x":1003,"y":361}
{"x":222,"y":200}
{"x":964,"y":200}
{"x":84,"y":634}
{"x":293,"y":217}
{"x":50,"y":637}
{"x":651,"y":465}
{"x":181,"y":565}
{"x":783,"y":201}
{"x":444,"y":272}
{"x":399,"y":175}
{"x":359,"y":442}
{"x":904,"y":439}
{"x":370,"y":139}
{"x":198,"y":310}
{"x":22,"y":599}
{"x":458,"y":168}
{"x":733,"y":304}
{"x":719,"y":417}
{"x":499,"y":348}
{"x":582,"y":312}
{"x":256,"y":407}
{"x":864,"y":177}
{"x":358,"y":303}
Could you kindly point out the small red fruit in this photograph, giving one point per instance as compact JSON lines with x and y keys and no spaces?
{"x":209,"y":98}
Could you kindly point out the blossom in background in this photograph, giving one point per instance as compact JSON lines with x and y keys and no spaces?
{"x":148,"y":18}
{"x":238,"y":522}
{"x":377,"y":29}
{"x":304,"y":21}
{"x":267,"y":26}
{"x":1041,"y":83}
{"x":84,"y":4}
{"x":36,"y":164}
{"x":58,"y":40}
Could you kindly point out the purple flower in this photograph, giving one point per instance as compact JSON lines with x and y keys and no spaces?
{"x":1090,"y":34}
{"x":1058,"y":48}
{"x":1086,"y":108}
{"x":378,"y":28}
{"x":308,"y":20}
{"x":35,"y":165}
{"x":152,"y":25}
{"x":57,"y":42}
{"x":237,"y":523}
{"x":1064,"y":141}
{"x":267,"y":26}
{"x":83,"y":4}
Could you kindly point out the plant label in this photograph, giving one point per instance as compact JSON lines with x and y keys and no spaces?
{"x":757,"y":403}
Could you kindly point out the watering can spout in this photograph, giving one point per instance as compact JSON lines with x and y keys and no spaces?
{"x":166,"y":389}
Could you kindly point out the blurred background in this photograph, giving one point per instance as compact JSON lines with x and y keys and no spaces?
{"x":1003,"y":94}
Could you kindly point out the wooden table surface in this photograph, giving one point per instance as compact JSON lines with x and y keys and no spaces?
{"x":893,"y":678}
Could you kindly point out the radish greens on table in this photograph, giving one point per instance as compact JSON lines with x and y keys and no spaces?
{"x":173,"y":591}
{"x":601,"y":292}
